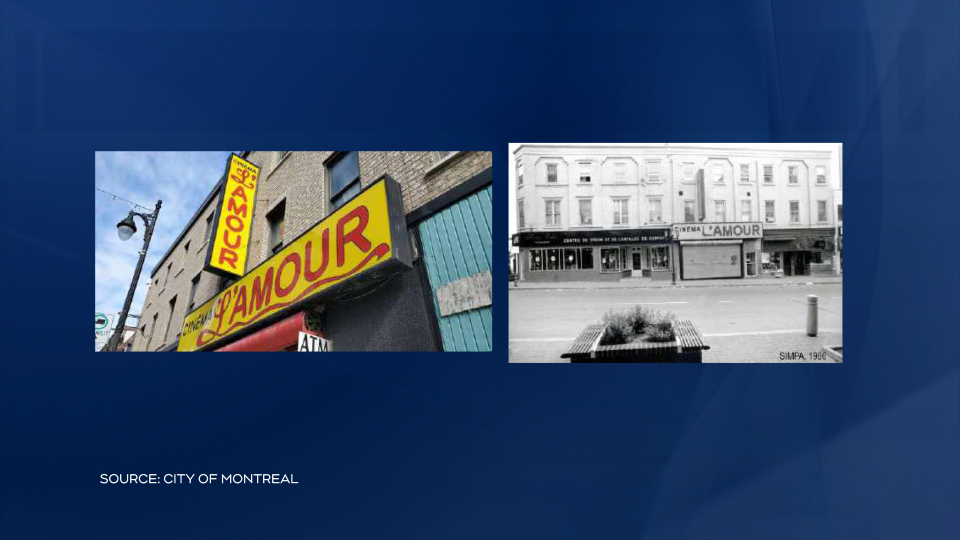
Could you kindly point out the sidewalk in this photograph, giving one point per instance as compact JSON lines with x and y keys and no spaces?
{"x":784,"y":347}
{"x":647,"y":283}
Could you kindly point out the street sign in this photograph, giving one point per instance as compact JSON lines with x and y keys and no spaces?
{"x":311,"y":343}
{"x":104,"y":326}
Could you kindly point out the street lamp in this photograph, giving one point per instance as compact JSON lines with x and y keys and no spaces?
{"x":125,"y":230}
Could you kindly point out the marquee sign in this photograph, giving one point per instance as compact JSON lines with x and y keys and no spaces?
{"x":717,"y":231}
{"x":227,"y":251}
{"x":363,"y":242}
{"x":592,"y":238}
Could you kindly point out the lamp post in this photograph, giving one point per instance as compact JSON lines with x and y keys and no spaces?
{"x":126,"y":229}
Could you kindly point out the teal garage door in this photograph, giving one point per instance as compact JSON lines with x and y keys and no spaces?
{"x":457,"y":247}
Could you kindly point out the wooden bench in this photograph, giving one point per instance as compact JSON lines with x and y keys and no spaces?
{"x":688,"y":347}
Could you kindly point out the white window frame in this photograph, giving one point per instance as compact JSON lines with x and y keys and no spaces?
{"x":744,"y":180}
{"x":822,"y":216}
{"x":821,"y":178}
{"x":651,"y":202}
{"x":717,"y":206}
{"x":767,"y":179}
{"x":618,"y":168}
{"x":580,"y":211}
{"x":557,"y":220}
{"x":589,"y":172}
{"x":653,"y":172}
{"x":792,"y":203}
{"x":621,"y":208}
{"x":793,"y":179}
{"x":767,"y":218}
{"x":519,"y":174}
{"x":745,"y":205}
{"x":521,"y":218}
{"x":693,"y":172}
{"x":714,"y":173}
{"x":693,"y":205}
{"x":556,"y":173}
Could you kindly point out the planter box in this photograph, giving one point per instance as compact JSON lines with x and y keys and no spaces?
{"x":688,"y":347}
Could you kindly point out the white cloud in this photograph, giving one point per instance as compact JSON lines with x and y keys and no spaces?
{"x":180,"y":179}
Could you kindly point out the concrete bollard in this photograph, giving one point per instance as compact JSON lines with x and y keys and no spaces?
{"x":812,"y":314}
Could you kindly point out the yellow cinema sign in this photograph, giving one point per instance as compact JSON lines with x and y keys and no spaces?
{"x":362,"y":242}
{"x":227,"y":253}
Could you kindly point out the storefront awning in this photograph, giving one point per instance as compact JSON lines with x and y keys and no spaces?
{"x":276,"y":337}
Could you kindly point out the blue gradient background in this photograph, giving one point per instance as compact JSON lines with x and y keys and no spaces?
{"x":467,"y":446}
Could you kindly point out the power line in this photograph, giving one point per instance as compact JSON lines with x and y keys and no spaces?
{"x":117,"y":197}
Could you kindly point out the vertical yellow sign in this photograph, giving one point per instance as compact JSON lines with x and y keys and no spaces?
{"x":231,"y":237}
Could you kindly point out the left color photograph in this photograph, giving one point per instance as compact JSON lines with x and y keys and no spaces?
{"x":293,"y":251}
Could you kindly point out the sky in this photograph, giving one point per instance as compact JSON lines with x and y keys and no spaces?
{"x":181,"y":179}
{"x":832,"y":147}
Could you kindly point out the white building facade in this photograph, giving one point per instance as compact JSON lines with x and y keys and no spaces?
{"x":674,"y":212}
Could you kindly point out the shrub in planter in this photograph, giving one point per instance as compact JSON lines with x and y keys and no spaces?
{"x":637,"y":324}
{"x":660,"y":329}
{"x":619,"y":328}
{"x":640,"y":317}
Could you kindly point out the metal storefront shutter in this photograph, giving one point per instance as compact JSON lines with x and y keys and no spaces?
{"x":457,"y":244}
{"x":711,"y":261}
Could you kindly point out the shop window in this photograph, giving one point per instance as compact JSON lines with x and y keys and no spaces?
{"x":173,"y":306}
{"x":653,"y":171}
{"x":816,"y":257}
{"x":586,"y":212}
{"x":553,"y":261}
{"x":768,"y":174}
{"x":610,"y":259}
{"x":821,"y":174}
{"x":719,"y":211}
{"x":519,"y":174}
{"x":276,"y":219}
{"x":520,"y":219}
{"x":621,"y":214}
{"x":656,"y":210}
{"x":718,"y":174}
{"x":620,"y":171}
{"x":746,"y":213}
{"x":821,"y":211}
{"x":536,"y":260}
{"x":794,"y":211}
{"x":585,"y":173}
{"x":792,"y":174}
{"x":744,"y":173}
{"x":770,"y":211}
{"x":659,"y":258}
{"x":586,"y":258}
{"x":688,"y":212}
{"x":551,"y":172}
{"x":344,"y":178}
{"x":571,"y":259}
{"x":553,"y":212}
{"x":194,"y":284}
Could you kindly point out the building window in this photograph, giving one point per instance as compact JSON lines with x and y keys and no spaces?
{"x":821,"y":175}
{"x":746,"y":212}
{"x":520,"y":218}
{"x":552,"y":172}
{"x":166,"y":332}
{"x":659,"y":258}
{"x":718,"y":174}
{"x":153,"y":330}
{"x":194,"y":284}
{"x":794,"y":211}
{"x":169,"y":271}
{"x":689,"y":171}
{"x":344,"y":175}
{"x":768,"y":174}
{"x":621,"y":215}
{"x":586,"y":212}
{"x":656,"y":210}
{"x":610,"y":259}
{"x":719,"y":211}
{"x":770,"y":211}
{"x":209,"y":230}
{"x":585,"y":173}
{"x":688,"y":212}
{"x":275,"y":220}
{"x":225,"y":283}
{"x":186,"y":247}
{"x":744,"y":173}
{"x":840,"y":213}
{"x":653,"y":171}
{"x":553,"y":212}
{"x":620,"y":171}
{"x":792,"y":174}
{"x":519,"y":174}
{"x":821,"y":211}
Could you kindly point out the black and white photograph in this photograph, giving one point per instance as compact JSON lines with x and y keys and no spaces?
{"x":676,"y":253}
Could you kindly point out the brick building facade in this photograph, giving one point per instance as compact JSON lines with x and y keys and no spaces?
{"x":293,"y":194}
